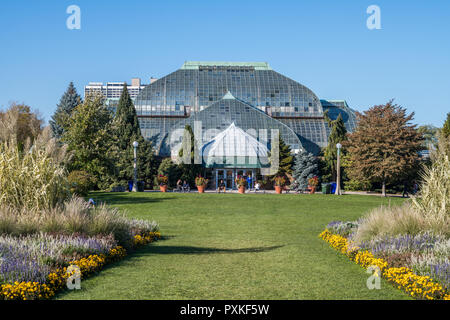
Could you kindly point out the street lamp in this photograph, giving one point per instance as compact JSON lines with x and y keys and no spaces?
{"x":135,"y":145}
{"x":338,"y":171}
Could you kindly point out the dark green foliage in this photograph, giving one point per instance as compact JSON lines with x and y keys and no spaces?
{"x":189,"y":169}
{"x":305,"y":167}
{"x":171,"y":170}
{"x":126,"y":130}
{"x":80,"y":182}
{"x":285,"y":158}
{"x":338,"y":134}
{"x":68,"y":102}
{"x":89,"y":139}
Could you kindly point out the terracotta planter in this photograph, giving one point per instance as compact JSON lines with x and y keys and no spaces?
{"x":163,"y":188}
{"x":201,"y":189}
{"x":241,"y":189}
{"x":312,"y":190}
{"x":278,"y":189}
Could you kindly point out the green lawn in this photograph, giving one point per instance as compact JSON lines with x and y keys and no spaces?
{"x":236,"y":246}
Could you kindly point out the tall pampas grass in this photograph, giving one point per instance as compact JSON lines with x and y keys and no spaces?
{"x":33,"y":178}
{"x":434,"y":198}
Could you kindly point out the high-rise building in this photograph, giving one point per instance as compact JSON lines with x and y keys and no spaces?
{"x":112,"y":90}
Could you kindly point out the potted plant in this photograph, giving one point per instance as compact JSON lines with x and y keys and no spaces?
{"x":201,"y":183}
{"x":313,"y":183}
{"x":280,"y":182}
{"x":241,"y":183}
{"x":162,"y":181}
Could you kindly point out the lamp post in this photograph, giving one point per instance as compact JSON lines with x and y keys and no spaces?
{"x":135,"y":145}
{"x":338,"y":170}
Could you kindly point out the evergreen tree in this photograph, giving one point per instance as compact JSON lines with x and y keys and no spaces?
{"x":285,"y":158}
{"x":126,"y":130}
{"x":384,"y":146}
{"x":305,"y":168}
{"x":189,"y":169}
{"x":446,"y":127}
{"x":89,"y":138}
{"x":68,"y":102}
{"x":338,"y":134}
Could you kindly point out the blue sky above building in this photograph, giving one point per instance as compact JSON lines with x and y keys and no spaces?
{"x":324,"y":45}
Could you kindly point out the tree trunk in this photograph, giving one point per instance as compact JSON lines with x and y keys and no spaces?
{"x":383,"y":189}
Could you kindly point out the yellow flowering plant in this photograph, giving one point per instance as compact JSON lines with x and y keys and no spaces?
{"x":57,"y":279}
{"x":419,"y":287}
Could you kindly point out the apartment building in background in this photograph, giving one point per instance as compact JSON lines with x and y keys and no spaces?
{"x":112,"y":90}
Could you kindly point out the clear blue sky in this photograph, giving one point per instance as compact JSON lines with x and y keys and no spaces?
{"x":324,"y":45}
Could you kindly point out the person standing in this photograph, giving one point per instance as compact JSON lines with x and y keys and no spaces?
{"x":405,"y":189}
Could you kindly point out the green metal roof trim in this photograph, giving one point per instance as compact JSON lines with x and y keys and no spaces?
{"x":194,"y":65}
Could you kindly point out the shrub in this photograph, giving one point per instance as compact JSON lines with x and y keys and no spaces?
{"x":169,"y":169}
{"x":80,"y":182}
{"x":357,"y":185}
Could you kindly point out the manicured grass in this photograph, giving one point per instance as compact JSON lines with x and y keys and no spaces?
{"x":236,"y":246}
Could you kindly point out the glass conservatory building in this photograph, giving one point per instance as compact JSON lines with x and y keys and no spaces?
{"x":234,"y":102}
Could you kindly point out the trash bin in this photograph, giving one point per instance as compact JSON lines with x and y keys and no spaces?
{"x":326,"y":188}
{"x":130,"y":186}
{"x":333,"y":187}
{"x":140,"y":186}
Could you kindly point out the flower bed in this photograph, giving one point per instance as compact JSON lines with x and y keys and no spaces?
{"x":56,"y":279}
{"x":418,"y":286}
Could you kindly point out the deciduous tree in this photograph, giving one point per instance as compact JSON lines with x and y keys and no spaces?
{"x":21,"y":124}
{"x":384,"y":145}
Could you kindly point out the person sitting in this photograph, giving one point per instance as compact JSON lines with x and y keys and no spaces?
{"x":186,"y":187}
{"x":179,"y":186}
{"x":221,"y":187}
{"x":257,"y":187}
{"x":91,"y":202}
